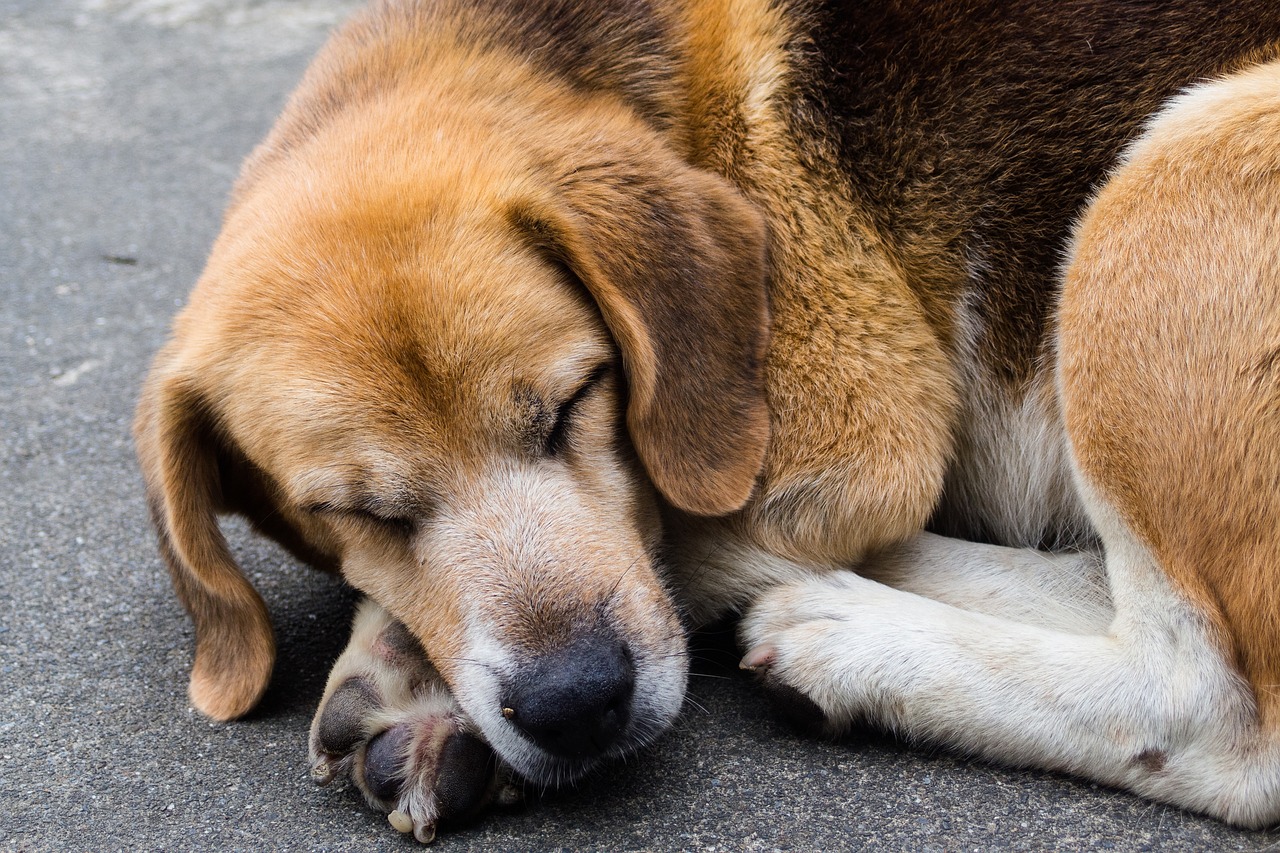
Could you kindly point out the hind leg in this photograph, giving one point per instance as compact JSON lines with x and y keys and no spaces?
{"x":1170,"y":358}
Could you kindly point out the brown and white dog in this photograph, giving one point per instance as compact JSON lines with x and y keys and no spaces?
{"x":559,"y":326}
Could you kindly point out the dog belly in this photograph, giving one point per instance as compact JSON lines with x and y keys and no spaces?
{"x":1009,"y":484}
{"x":1009,"y":480}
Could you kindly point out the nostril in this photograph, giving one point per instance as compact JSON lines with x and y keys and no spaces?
{"x":574,"y":702}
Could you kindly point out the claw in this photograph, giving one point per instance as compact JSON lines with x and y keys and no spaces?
{"x":401,"y":821}
{"x":425,"y":831}
{"x":758,"y":658}
{"x":323,"y":771}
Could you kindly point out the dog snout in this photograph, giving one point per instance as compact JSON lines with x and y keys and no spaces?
{"x":574,"y":702}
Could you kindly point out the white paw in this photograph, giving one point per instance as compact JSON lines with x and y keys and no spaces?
{"x":814,"y":645}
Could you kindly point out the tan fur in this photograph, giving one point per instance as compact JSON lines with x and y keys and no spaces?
{"x":860,"y":391}
{"x":1170,"y":352}
{"x":232,"y":668}
{"x":786,"y":355}
{"x":375,"y":381}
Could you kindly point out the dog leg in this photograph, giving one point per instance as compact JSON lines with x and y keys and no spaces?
{"x":1150,"y":704}
{"x":719,"y":572}
{"x":388,"y":720}
{"x":1064,"y":591}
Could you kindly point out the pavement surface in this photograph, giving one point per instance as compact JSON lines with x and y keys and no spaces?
{"x":122,"y":124}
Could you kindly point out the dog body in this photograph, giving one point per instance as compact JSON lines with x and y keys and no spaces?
{"x":551,"y":324}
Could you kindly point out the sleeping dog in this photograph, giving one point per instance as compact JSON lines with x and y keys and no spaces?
{"x":941,"y":340}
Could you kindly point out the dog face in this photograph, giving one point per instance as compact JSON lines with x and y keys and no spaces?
{"x":468,"y":379}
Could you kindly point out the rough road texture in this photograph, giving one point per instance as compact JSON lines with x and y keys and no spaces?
{"x":122,"y":123}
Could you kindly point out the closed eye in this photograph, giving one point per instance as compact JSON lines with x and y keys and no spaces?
{"x":367,"y":514}
{"x":558,"y":436}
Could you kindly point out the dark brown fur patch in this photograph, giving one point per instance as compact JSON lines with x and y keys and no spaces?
{"x":973,"y":132}
{"x":1151,"y":760}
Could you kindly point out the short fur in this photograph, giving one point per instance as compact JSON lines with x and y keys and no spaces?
{"x":559,"y":320}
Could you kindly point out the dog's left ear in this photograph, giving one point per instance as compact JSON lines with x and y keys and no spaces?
{"x":675,"y":258}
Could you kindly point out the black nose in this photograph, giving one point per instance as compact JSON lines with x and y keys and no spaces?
{"x":576,"y":701}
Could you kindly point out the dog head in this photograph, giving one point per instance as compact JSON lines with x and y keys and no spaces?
{"x":463,"y":357}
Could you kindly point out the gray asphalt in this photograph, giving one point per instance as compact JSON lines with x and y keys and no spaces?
{"x":122,"y":123}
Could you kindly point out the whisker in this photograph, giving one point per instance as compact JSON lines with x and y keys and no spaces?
{"x":712,"y":675}
{"x":608,"y":599}
{"x":482,"y":664}
{"x":690,"y":699}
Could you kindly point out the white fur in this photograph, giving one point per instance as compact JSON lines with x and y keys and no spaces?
{"x":1063,"y":591}
{"x":1008,"y":478}
{"x":1146,"y":702}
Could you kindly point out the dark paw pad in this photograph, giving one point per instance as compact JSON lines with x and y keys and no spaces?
{"x":341,"y":727}
{"x":467,"y":772}
{"x":384,"y":761}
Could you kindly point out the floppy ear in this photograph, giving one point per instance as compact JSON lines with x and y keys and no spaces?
{"x":675,"y":258}
{"x":179,"y":454}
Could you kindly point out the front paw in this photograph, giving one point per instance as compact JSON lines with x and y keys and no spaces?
{"x":388,"y":722}
{"x":808,"y":643}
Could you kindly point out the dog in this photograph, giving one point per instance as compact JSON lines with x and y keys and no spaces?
{"x":939,"y":340}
